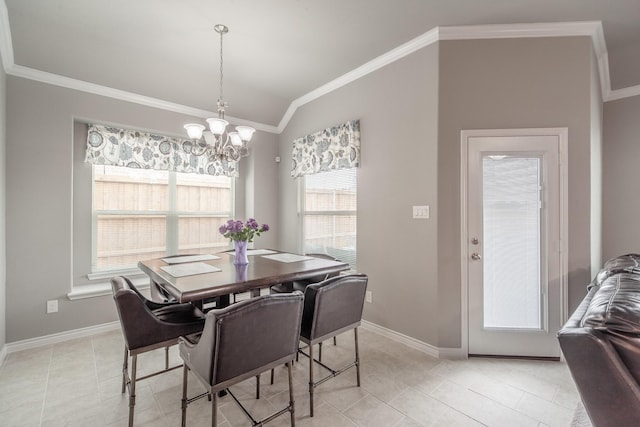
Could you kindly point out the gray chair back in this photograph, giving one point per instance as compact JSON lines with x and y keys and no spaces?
{"x":247,"y":338}
{"x":146,"y":323}
{"x":333,"y":306}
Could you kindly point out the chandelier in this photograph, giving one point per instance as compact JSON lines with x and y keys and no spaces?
{"x":217,"y":142}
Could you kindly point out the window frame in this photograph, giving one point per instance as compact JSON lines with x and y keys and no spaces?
{"x":171,"y":215}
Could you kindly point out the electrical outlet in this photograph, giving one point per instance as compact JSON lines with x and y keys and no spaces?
{"x":52,"y":306}
{"x":368,"y":296}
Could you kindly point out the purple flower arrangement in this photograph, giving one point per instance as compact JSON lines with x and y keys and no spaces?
{"x":238,"y":231}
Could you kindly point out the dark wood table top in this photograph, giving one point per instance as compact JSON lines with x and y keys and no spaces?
{"x":261,"y":272}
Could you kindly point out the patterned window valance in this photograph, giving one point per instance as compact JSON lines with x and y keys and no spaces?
{"x":336,"y":147}
{"x":134,"y":149}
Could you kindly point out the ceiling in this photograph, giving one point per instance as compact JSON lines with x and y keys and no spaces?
{"x":276,"y":51}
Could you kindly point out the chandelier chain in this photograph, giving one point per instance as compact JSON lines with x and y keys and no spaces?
{"x":218,"y":143}
{"x":221,"y":68}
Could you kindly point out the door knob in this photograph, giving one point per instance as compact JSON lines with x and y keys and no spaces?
{"x":475,"y":241}
{"x":475,"y":256}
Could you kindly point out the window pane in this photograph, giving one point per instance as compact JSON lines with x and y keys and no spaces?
{"x":331,"y":191}
{"x":129,"y":189}
{"x":203,"y":193}
{"x":123,"y":240}
{"x":330,"y":214}
{"x":331,"y":234}
{"x":199,"y":234}
{"x":511,"y":229}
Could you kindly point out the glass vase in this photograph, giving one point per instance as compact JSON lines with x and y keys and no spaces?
{"x":240,"y":257}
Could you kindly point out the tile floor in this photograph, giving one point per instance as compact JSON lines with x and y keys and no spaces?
{"x":77,"y":383}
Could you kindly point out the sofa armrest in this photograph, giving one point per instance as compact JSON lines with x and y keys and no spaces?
{"x":609,"y":392}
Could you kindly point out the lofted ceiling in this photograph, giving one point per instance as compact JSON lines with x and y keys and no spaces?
{"x":276,"y":51}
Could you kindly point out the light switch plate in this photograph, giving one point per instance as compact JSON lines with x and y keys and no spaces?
{"x":421,"y":212}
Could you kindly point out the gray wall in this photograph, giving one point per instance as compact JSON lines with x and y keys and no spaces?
{"x":397,"y":108}
{"x":41,"y":193}
{"x":621,"y":151}
{"x":3,"y":253}
{"x":411,"y":155}
{"x":515,"y":83}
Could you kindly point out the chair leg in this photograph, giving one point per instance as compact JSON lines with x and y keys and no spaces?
{"x":258,"y":386}
{"x":125,"y":367}
{"x":335,"y":341}
{"x":185,"y":377}
{"x":355,"y":334}
{"x":272,"y":375}
{"x":214,"y":410}
{"x":292,"y":402}
{"x":311,"y":386}
{"x":166,"y":357}
{"x":132,"y":390}
{"x":320,"y":352}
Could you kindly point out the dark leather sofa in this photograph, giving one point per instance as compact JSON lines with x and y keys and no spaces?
{"x":601,"y":344}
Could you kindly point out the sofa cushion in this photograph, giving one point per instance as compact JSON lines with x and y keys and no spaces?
{"x":615,"y":307}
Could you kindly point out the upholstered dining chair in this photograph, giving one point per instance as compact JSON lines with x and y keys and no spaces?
{"x":332,"y":307}
{"x":148,"y":325}
{"x":300,"y":285}
{"x":242,"y":341}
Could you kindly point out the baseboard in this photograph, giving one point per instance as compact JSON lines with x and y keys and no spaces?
{"x":60,"y":337}
{"x":3,"y":354}
{"x":440,"y":353}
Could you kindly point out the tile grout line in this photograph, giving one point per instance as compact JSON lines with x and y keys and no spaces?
{"x":95,"y":366}
{"x":46,"y":386}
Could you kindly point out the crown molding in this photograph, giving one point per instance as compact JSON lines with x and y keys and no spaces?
{"x":591,"y":29}
{"x":510,"y":31}
{"x":58,"y":80}
{"x":6,"y":44}
{"x":626,"y":92}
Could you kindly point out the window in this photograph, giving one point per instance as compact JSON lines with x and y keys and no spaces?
{"x":329,"y":214}
{"x":142,"y":213}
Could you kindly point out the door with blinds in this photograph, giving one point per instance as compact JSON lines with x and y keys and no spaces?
{"x":513,"y":244}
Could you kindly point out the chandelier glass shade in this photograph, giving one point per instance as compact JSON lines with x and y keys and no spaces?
{"x":216,"y":142}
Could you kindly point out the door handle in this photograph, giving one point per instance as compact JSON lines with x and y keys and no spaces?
{"x":475,"y":256}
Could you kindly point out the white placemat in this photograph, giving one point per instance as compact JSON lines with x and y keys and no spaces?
{"x":260,"y":251}
{"x":191,"y":269}
{"x":283,"y":257}
{"x":189,"y":258}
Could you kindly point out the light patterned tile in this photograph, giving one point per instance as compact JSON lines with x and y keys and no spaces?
{"x":383,"y":386}
{"x":325,"y":415}
{"x":22,"y":415}
{"x":372,"y":412}
{"x":547,"y":412}
{"x":401,"y":387}
{"x":480,"y":407}
{"x":421,"y":408}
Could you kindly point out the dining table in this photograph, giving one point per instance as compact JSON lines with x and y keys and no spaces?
{"x":200,"y":278}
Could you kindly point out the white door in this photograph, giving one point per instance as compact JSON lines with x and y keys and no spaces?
{"x":513,"y":243}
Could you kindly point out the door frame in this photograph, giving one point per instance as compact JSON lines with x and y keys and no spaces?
{"x":563,"y":138}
